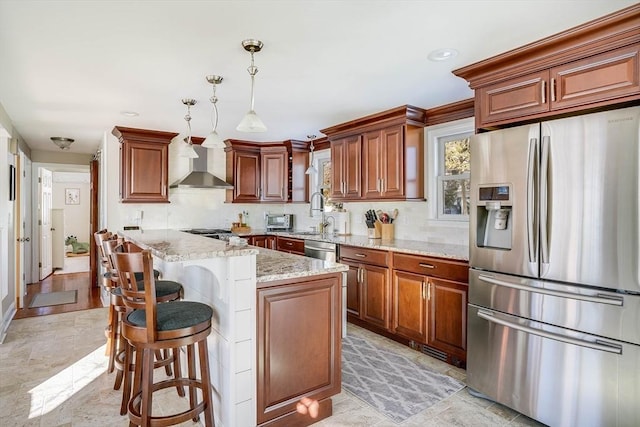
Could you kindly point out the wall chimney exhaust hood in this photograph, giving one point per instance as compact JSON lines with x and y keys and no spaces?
{"x":199,"y":177}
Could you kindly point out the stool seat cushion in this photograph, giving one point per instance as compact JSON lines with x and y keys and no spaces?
{"x":174,"y":315}
{"x":139,"y":275}
{"x":163,"y":288}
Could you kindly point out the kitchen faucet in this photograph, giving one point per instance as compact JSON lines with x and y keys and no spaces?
{"x":325,"y":222}
{"x":321,"y":208}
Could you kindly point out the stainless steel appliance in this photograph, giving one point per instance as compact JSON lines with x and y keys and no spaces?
{"x":554,"y":285}
{"x":278,"y":222}
{"x":214,"y":233}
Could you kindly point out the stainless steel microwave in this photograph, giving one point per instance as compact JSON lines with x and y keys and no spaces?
{"x":278,"y":221}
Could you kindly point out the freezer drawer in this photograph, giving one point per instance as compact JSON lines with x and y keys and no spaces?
{"x":595,"y":311}
{"x":556,"y":376}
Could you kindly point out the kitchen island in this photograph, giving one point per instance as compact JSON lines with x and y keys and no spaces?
{"x":276,"y":326}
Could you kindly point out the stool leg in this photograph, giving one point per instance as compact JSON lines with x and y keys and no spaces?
{"x":126,"y":367}
{"x":206,"y":383}
{"x":147,"y":386}
{"x":177,"y":370}
{"x":114,"y":321}
{"x":191,"y":368}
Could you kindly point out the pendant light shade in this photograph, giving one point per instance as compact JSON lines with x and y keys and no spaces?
{"x":251,"y":122}
{"x":213,"y":140}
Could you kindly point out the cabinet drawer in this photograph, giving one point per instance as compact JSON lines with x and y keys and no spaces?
{"x":286,"y":244}
{"x":364,"y":255}
{"x":447,"y":269}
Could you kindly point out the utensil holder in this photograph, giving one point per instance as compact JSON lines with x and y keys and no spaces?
{"x":387,"y":231}
{"x":374,"y":233}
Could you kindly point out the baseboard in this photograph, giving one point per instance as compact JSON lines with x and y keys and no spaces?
{"x":6,"y":321}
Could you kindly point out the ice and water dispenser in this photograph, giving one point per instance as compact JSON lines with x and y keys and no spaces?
{"x":494,"y":225}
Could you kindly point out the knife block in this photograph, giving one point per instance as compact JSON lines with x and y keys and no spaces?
{"x":375,"y":232}
{"x":387,"y":231}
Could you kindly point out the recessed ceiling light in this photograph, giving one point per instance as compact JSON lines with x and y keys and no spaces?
{"x":129,"y":113}
{"x":442,"y":54}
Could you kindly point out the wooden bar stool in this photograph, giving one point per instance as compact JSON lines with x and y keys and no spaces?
{"x":168,"y":326}
{"x":166,"y":290}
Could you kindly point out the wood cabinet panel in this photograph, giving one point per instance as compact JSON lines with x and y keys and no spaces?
{"x":409,"y":306}
{"x":353,"y":289}
{"x":144,"y":164}
{"x":601,"y":77}
{"x":372,"y":148}
{"x":274,"y":177}
{"x":346,"y":168}
{"x":299,"y":342}
{"x":382,"y":163}
{"x":246,"y":178}
{"x":438,"y":267}
{"x":266,"y":241}
{"x":513,"y":98}
{"x":290,"y":245}
{"x":448,"y":319}
{"x":369,"y":256}
{"x":375,"y":295}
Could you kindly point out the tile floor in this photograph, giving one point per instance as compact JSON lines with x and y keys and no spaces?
{"x":53,"y":373}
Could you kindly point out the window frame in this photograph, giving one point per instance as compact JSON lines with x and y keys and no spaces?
{"x":436,"y":137}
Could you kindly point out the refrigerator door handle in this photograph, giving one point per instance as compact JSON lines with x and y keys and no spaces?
{"x":598,"y":298}
{"x":601,"y":345}
{"x":531,"y":199}
{"x":544,"y":201}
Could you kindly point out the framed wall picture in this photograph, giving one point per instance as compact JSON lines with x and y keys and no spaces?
{"x":71,"y":196}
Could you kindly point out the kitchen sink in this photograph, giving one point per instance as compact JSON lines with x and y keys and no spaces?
{"x":306,"y":233}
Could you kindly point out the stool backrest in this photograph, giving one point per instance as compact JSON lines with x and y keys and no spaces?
{"x":99,"y":237}
{"x":109,"y":246}
{"x":127,"y":264}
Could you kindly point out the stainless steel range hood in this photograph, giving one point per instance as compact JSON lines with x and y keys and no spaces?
{"x":199,"y":177}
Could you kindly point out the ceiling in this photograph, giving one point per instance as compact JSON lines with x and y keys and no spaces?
{"x":69,"y":68}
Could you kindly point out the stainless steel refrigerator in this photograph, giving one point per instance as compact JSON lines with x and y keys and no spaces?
{"x":554,"y":285}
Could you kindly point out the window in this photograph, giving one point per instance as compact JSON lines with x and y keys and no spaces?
{"x":449,"y":158}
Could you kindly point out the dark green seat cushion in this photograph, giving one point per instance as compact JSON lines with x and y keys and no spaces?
{"x":174,"y":315}
{"x":139,"y":275}
{"x":163,"y":288}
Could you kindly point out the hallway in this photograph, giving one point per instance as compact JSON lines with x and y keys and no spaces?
{"x":88,"y":297}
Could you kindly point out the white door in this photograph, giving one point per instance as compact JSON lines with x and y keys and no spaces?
{"x":45,"y":181}
{"x":26,"y":212}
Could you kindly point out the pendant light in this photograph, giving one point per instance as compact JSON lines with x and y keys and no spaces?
{"x":311,"y":170}
{"x":251,"y":122}
{"x":186,"y":149}
{"x":213,"y":140}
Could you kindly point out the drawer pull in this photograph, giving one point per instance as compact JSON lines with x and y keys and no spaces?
{"x":289,"y":243}
{"x":361,"y":255}
{"x":427,"y":265}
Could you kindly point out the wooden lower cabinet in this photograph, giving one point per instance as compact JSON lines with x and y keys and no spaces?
{"x":375,"y":295}
{"x":299,"y":348}
{"x":290,"y":245}
{"x":353,"y":289}
{"x":409,"y":306}
{"x":448,"y":317}
{"x":266,"y":241}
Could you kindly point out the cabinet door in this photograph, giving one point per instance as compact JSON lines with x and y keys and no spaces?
{"x":372,"y":153}
{"x":270,"y":242}
{"x":601,"y":77}
{"x":246,"y":181}
{"x":298,"y":349}
{"x":145,"y":169}
{"x":292,"y":246}
{"x":448,"y":316}
{"x":353,"y":289}
{"x":375,"y":295}
{"x":517,"y":97}
{"x":392,"y":163}
{"x":410,"y":306}
{"x":345,"y":168}
{"x":274,"y":177}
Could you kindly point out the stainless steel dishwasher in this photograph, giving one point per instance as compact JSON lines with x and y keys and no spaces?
{"x":328,"y":252}
{"x":320,"y":250}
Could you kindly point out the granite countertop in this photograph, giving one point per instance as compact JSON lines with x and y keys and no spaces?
{"x":275,"y":265}
{"x":416,"y":247}
{"x":174,"y":245}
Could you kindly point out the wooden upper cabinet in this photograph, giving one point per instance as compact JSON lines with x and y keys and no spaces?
{"x":144,"y":164}
{"x":274,"y":176}
{"x":382,"y":161}
{"x":601,"y":77}
{"x":379,"y":157}
{"x":267,"y":172}
{"x":345,"y":168}
{"x":594,"y":65}
{"x":518,"y":97}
